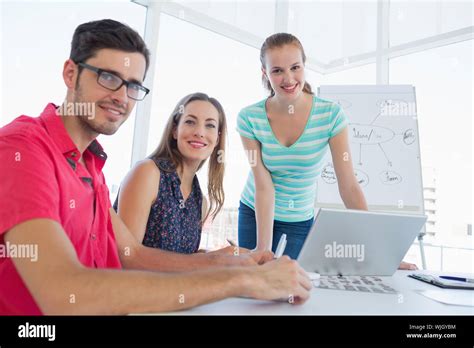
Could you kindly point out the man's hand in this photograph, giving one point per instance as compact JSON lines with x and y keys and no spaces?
{"x":277,"y":280}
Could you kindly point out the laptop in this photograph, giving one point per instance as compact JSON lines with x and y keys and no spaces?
{"x":356,"y":242}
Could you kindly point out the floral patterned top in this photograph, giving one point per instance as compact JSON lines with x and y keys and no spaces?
{"x":174,"y":224}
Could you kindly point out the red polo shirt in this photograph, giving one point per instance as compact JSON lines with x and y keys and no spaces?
{"x":40,"y":177}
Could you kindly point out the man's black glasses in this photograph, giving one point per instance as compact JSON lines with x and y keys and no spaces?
{"x":113,"y":82}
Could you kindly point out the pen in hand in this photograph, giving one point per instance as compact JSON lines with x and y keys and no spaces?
{"x":231,"y":242}
{"x":281,"y":246}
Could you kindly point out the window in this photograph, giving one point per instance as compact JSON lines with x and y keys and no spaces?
{"x":256,"y":17}
{"x":361,"y":75}
{"x":330,"y":30}
{"x":444,"y":103}
{"x":443,"y":81}
{"x":415,"y":20}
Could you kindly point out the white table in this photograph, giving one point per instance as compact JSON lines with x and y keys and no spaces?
{"x":337,"y":302}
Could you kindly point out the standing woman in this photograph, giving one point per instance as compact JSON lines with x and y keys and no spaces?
{"x":290,"y":132}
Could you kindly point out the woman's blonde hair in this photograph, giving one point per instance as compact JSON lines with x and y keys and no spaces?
{"x":168,"y":150}
{"x":279,"y":40}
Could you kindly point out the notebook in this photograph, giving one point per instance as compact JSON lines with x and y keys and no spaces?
{"x":442,"y":283}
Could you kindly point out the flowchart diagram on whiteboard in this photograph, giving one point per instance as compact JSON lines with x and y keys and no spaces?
{"x":384,"y":143}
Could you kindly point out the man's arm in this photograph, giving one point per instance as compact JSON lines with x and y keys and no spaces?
{"x":57,"y":276}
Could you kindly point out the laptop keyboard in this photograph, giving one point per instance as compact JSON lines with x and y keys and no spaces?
{"x":368,"y":284}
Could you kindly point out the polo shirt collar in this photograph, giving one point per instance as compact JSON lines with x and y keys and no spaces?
{"x":57,"y":131}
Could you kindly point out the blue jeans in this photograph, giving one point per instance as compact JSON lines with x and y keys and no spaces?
{"x":296,"y":232}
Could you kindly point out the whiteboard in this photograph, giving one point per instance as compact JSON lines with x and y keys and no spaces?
{"x":384,"y":143}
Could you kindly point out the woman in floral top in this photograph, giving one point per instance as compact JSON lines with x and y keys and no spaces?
{"x":160,"y":199}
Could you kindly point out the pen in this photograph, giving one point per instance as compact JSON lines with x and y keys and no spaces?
{"x":231,"y":242}
{"x":459,"y":279}
{"x":281,"y":246}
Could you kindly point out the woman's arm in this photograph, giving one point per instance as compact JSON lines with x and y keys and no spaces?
{"x":137,"y":193}
{"x":349,"y":188}
{"x":204,"y":208}
{"x":264,"y":195}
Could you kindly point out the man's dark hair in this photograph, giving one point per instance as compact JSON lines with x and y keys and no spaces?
{"x":92,"y":36}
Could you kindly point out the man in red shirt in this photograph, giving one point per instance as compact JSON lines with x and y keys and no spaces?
{"x":62,"y":247}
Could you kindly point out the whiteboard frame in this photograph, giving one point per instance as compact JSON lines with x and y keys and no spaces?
{"x":368,"y":89}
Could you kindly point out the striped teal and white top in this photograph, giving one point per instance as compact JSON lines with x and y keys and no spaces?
{"x":294,"y":169}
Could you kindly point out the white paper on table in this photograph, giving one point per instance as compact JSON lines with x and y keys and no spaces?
{"x":450,"y":297}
